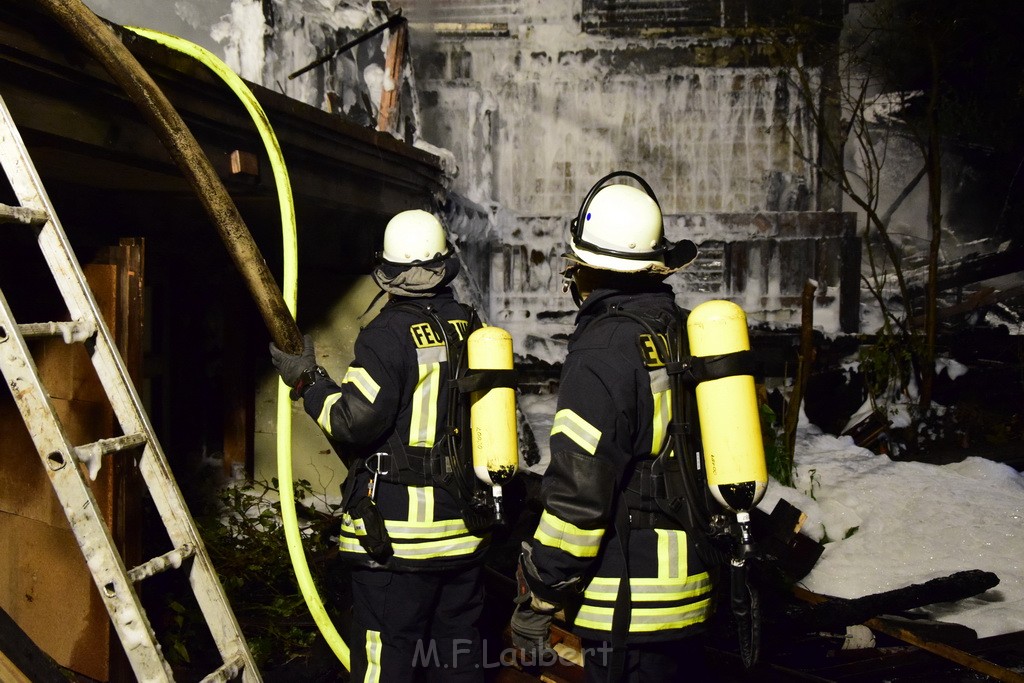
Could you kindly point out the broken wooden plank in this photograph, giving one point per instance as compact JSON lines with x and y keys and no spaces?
{"x":944,"y":589}
{"x":970,"y":269}
{"x":394,"y":66}
{"x":825,"y":612}
{"x":983,"y":298}
{"x":781,"y":543}
{"x":563,"y":664}
{"x":945,"y":651}
{"x":946,"y":632}
{"x":870,"y":431}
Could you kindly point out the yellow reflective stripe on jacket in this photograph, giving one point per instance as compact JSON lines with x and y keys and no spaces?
{"x":423,"y":423}
{"x":401,"y":529}
{"x":421,"y":503}
{"x":449,"y":547}
{"x":647,"y":619}
{"x":557,"y":533}
{"x":361,"y":380}
{"x":463,"y":545}
{"x":374,"y":650}
{"x":662,"y":393}
{"x":353,"y":525}
{"x":576,"y":428}
{"x":606,"y":589}
{"x":418,"y":537}
{"x":324,"y":420}
{"x":671,"y":553}
{"x":442,"y":529}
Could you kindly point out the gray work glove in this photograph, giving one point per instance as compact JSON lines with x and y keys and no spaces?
{"x":291,"y":366}
{"x":531,"y":629}
{"x":531,"y":620}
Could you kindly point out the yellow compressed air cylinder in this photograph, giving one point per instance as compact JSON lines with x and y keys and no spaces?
{"x":730,"y":424}
{"x":492,"y":415}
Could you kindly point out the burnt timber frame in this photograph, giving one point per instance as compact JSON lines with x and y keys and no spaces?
{"x":82,"y":130}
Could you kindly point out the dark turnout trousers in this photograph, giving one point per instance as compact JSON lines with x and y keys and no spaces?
{"x":417,"y":625}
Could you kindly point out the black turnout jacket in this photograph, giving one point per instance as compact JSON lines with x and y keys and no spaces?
{"x":395,"y":388}
{"x":612,"y":414}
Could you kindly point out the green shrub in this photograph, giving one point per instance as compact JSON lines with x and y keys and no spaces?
{"x":244,"y":537}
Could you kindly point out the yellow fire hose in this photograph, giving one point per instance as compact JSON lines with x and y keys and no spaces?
{"x":293,"y":536}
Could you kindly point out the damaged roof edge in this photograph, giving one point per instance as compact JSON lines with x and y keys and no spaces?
{"x":61,"y":97}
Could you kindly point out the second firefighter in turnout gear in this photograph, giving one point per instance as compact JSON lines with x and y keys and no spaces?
{"x":631,"y":580}
{"x":410,"y":529}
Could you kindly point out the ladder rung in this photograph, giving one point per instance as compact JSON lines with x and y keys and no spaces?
{"x":22,"y":214}
{"x":170,"y":560}
{"x":62,"y":457}
{"x":72,"y":332}
{"x":228,"y":672}
{"x":97,"y":449}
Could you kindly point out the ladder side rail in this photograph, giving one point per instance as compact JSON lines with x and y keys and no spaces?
{"x":153,"y":464}
{"x":124,"y":399}
{"x":79,"y":504}
{"x":206,"y":586}
{"x":70,"y":278}
{"x":110,"y":368}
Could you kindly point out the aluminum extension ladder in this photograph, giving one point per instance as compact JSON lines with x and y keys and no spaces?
{"x":61,"y":458}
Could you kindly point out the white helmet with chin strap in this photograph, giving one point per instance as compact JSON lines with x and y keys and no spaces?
{"x":619,"y":227}
{"x":414,"y":237}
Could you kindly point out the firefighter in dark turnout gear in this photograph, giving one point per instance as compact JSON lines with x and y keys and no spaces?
{"x":414,"y":543}
{"x":628,"y":576}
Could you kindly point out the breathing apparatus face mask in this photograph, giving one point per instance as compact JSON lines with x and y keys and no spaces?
{"x":417,"y":258}
{"x":418,"y":279}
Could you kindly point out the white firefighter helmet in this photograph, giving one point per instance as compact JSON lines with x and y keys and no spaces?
{"x":414,"y":236}
{"x":619,"y":227}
